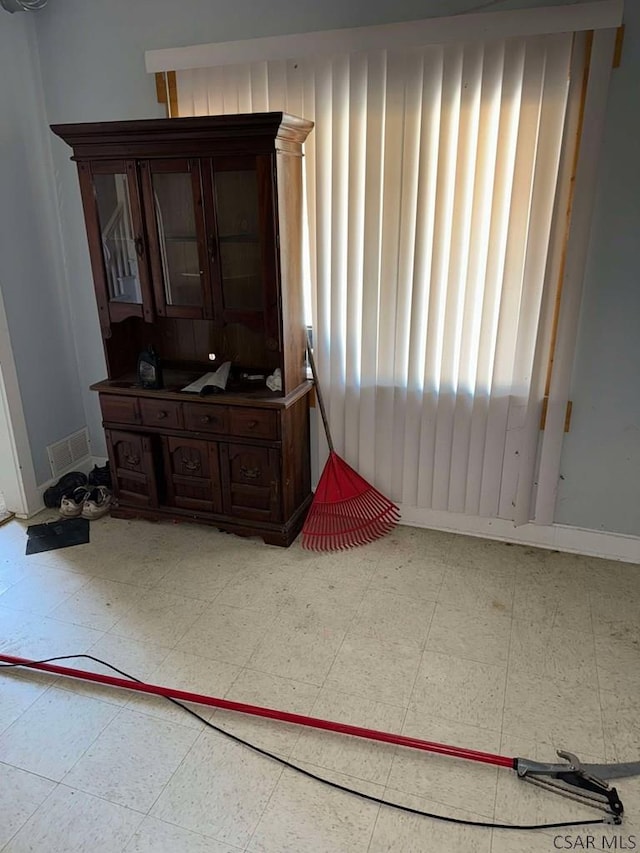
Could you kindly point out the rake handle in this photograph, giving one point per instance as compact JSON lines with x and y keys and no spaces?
{"x":323,"y":411}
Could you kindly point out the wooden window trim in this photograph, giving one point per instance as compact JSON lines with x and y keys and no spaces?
{"x":617,"y":59}
{"x":167,"y":92}
{"x":567,"y":224}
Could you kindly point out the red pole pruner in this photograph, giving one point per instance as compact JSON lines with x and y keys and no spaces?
{"x":585,"y":783}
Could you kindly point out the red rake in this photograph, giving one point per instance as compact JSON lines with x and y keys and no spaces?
{"x":346,"y":510}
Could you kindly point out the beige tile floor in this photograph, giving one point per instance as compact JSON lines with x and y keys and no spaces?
{"x":444,"y":637}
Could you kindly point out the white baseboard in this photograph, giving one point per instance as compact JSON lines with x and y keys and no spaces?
{"x":558,"y":537}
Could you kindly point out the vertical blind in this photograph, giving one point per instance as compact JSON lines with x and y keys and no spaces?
{"x":430,"y":182}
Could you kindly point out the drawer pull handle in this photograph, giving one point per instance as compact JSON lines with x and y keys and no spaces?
{"x":206,"y":419}
{"x":191,"y":465}
{"x":252,"y":424}
{"x":250,"y":473}
{"x":133,"y":461}
{"x":162,"y":414}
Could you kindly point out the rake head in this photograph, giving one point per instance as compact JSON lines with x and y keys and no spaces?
{"x":346,"y":510}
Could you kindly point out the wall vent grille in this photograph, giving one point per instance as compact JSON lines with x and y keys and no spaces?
{"x":64,"y":455}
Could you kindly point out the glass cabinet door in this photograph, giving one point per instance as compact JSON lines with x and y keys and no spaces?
{"x":118,"y":237}
{"x":239,"y":239}
{"x":173,"y":199}
{"x":118,"y":253}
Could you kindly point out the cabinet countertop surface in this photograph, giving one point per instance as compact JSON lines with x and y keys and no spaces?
{"x":177,"y":379}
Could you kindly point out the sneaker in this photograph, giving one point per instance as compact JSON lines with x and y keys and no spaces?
{"x":71,"y":505}
{"x":100,"y":476}
{"x":97,"y":503}
{"x":64,"y":487}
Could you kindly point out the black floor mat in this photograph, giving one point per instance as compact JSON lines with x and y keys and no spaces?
{"x":57,"y":534}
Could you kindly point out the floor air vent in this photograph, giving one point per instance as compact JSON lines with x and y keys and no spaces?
{"x":66,"y":454}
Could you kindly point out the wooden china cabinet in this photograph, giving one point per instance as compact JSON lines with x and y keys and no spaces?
{"x":195,"y":237}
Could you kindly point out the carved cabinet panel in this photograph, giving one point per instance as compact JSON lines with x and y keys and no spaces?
{"x":133,"y":472}
{"x":251,"y":477}
{"x":192,"y":474}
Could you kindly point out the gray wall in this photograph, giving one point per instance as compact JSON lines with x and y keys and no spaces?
{"x":92,"y":57}
{"x":31,"y":263}
{"x":600,"y":488}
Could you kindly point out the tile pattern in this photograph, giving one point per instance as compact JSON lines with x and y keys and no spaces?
{"x":460,"y":640}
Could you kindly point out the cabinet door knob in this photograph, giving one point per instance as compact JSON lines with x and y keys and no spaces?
{"x":191,"y":464}
{"x":162,"y":414}
{"x":132,"y":460}
{"x":139,"y":246}
{"x":250,"y":473}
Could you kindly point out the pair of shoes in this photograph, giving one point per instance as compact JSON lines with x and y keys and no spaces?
{"x":88,"y":503}
{"x":100,"y":476}
{"x":64,"y":487}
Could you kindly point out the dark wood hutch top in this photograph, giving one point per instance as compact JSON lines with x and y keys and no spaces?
{"x":197,"y":136}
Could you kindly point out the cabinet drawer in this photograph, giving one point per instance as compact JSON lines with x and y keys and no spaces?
{"x":253,"y":423}
{"x":161,"y":413}
{"x":121,"y":410}
{"x":204,"y":418}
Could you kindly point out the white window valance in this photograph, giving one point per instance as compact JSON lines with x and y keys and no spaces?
{"x":603,"y":14}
